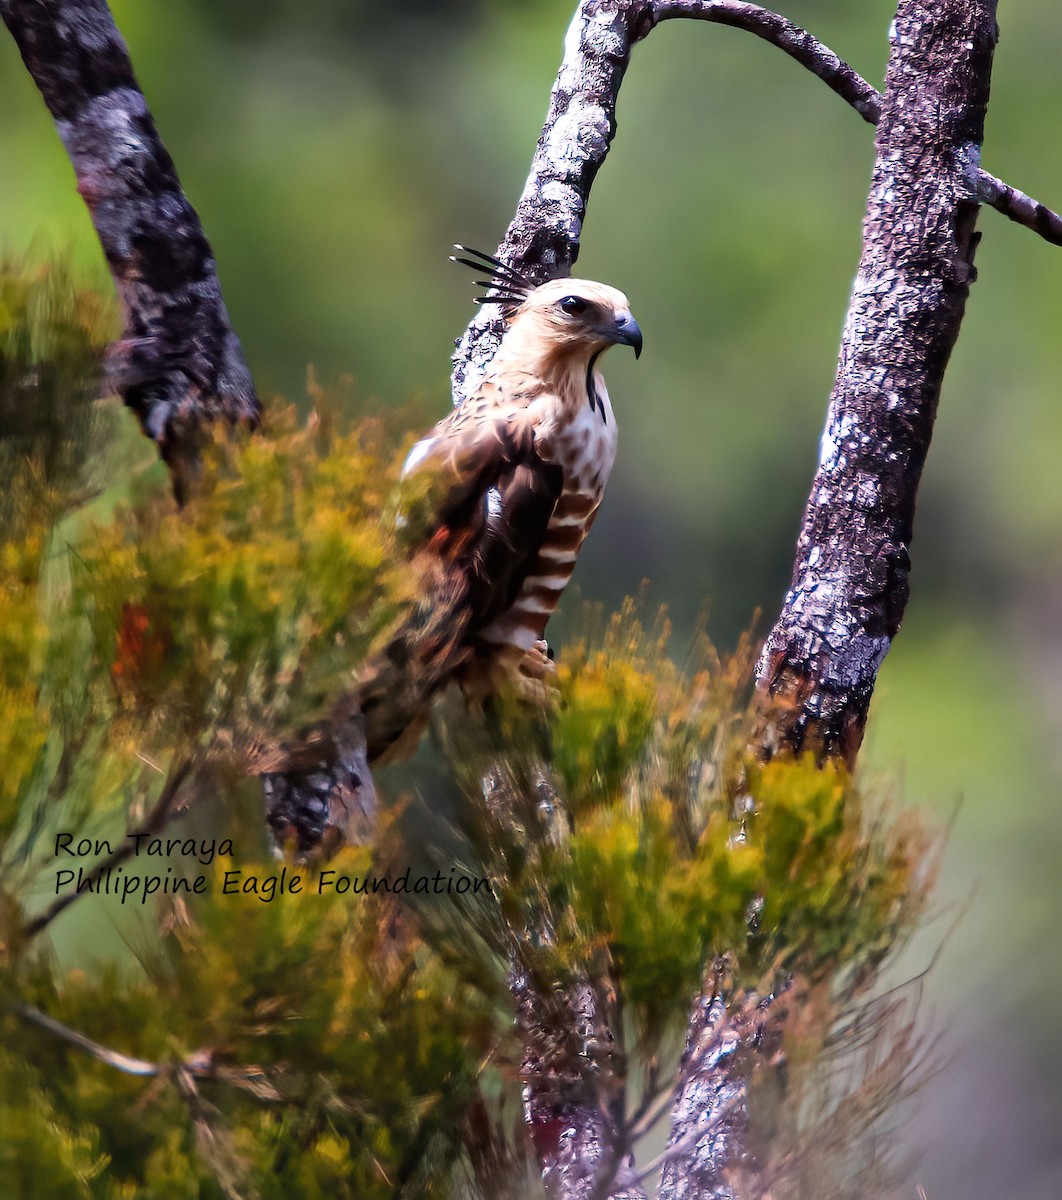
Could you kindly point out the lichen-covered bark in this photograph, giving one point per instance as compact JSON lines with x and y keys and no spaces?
{"x":711,"y":1096}
{"x":542,"y":240}
{"x":179,"y":363}
{"x":708,"y":1084}
{"x":573,"y":1084}
{"x":850,"y":580}
{"x":566,"y":1075}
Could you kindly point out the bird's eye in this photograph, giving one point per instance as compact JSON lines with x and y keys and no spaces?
{"x":573,"y":305}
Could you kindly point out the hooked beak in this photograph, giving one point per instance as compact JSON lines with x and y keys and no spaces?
{"x":626,"y":331}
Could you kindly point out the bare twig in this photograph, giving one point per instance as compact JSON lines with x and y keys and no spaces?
{"x":647,"y":1121}
{"x":164,"y":808}
{"x":112,"y":1058}
{"x":1020,"y":208}
{"x":200,"y":1066}
{"x":780,"y":32}
{"x":649,"y":1111}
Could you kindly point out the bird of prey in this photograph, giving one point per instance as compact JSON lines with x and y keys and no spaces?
{"x":518,"y":471}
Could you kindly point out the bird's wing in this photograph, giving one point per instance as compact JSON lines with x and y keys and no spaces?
{"x":494,"y":495}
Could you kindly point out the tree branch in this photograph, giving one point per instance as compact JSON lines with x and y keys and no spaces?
{"x":575,"y":1135}
{"x":708,"y":1147}
{"x":179,"y":364}
{"x":1020,"y":208}
{"x":542,"y":240}
{"x":573,"y":1089}
{"x":690,"y":1140}
{"x":820,"y":60}
{"x":800,"y":45}
{"x":850,"y":580}
{"x":103,"y":1054}
{"x":201,"y":1066}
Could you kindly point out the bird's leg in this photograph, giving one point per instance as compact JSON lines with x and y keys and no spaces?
{"x":537,"y":663}
{"x":322,"y":797}
{"x":535,"y":679}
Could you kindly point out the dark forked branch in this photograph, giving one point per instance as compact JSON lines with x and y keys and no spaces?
{"x":170,"y":803}
{"x":179,"y":364}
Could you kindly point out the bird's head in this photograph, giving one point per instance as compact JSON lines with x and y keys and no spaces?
{"x":570,"y":317}
{"x":577,"y":314}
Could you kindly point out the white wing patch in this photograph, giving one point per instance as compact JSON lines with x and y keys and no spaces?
{"x":494,"y":506}
{"x":417,"y":455}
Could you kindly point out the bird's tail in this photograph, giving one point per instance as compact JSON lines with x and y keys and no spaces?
{"x":390,"y":704}
{"x":398,"y":684}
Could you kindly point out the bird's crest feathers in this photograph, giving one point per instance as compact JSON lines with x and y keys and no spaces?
{"x":509,"y":286}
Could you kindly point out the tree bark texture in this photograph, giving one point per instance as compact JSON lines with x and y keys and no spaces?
{"x":179,"y":363}
{"x":327,"y":799}
{"x":573,"y":1084}
{"x":850,"y":579}
{"x":712,"y":1094}
{"x":566,"y":1073}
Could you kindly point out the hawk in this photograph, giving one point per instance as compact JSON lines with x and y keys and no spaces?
{"x":518,"y":472}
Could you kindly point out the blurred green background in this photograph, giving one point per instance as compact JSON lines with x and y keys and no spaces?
{"x":335,"y":149}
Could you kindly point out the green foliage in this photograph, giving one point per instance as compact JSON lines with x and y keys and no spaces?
{"x":315,"y":1043}
{"x":51,"y":336}
{"x":249,"y":606}
{"x":679,"y":851}
{"x":330,"y":1073}
{"x":41,"y":1154}
{"x":132,"y":636}
{"x":23,"y":732}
